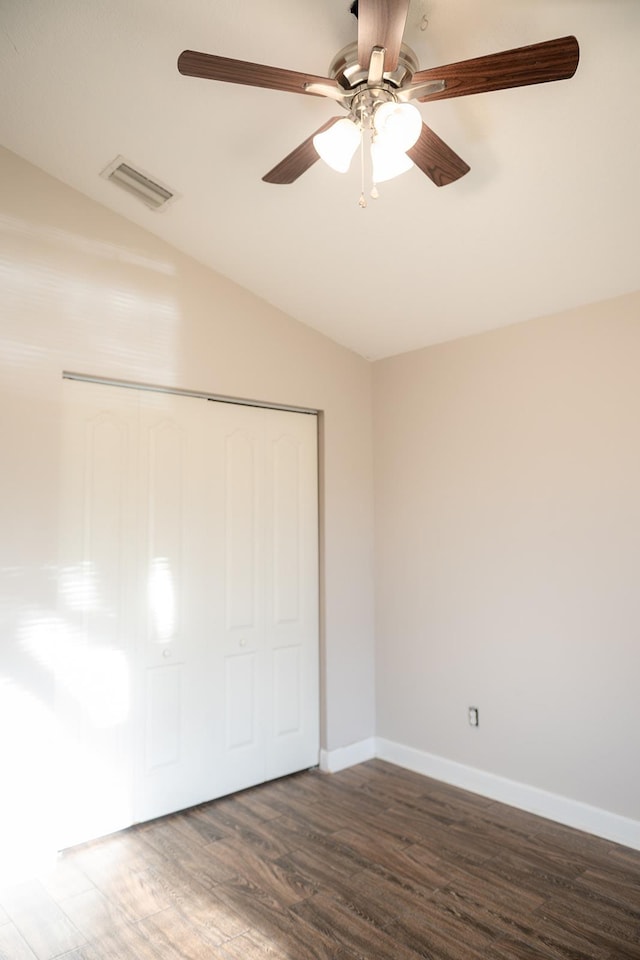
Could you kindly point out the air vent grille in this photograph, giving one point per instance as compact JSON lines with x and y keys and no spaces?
{"x":139,"y":184}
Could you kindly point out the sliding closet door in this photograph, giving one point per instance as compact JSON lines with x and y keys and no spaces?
{"x":92,"y":644}
{"x":291,"y":582}
{"x":264,"y":590}
{"x":190,"y":586}
{"x":174,"y":520}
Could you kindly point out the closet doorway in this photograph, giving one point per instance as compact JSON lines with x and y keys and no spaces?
{"x":187,"y":663}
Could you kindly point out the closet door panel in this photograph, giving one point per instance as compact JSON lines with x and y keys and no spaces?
{"x":164,"y":501}
{"x":242,"y":496}
{"x":172,"y":745}
{"x":291,"y":623}
{"x":235,"y":469}
{"x":90,"y":654}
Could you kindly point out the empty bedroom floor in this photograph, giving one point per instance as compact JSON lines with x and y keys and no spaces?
{"x":375,"y":863}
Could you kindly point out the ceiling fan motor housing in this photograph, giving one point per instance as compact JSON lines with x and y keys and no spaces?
{"x":366,"y":97}
{"x":350,"y":74}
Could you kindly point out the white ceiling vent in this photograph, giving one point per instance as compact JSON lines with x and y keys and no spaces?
{"x":153,"y":194}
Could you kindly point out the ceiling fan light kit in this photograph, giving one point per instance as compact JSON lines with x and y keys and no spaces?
{"x":400,"y":123}
{"x":374,"y":80}
{"x":387,"y":161}
{"x":337,"y":145}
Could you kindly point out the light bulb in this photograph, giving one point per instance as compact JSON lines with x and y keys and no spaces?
{"x":337,"y":145}
{"x":387,"y":161}
{"x":400,"y":123}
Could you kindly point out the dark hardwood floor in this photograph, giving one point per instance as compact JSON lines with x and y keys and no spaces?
{"x":374,"y":863}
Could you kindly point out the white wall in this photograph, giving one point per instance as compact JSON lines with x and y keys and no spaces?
{"x":82,"y":289}
{"x":507,"y":473}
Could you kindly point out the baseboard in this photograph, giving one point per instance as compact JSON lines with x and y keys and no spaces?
{"x":571,"y":813}
{"x":332,"y":761}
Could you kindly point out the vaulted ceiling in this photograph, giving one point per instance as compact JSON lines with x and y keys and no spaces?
{"x":546,"y":219}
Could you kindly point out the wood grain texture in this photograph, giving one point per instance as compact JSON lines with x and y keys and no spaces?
{"x":381,"y":23}
{"x":299,"y":160}
{"x":42,"y":923}
{"x":437,"y":160}
{"x":208,"y":66}
{"x":520,"y":67}
{"x":173,"y":937}
{"x":374,"y":862}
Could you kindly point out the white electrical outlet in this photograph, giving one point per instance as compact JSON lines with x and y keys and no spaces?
{"x":474,"y":716}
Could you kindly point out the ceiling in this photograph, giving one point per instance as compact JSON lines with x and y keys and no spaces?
{"x":547,"y":219}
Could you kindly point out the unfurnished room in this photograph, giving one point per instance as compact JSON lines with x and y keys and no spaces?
{"x":320,"y":481}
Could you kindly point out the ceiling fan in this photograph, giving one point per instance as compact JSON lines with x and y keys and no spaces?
{"x":375,"y":80}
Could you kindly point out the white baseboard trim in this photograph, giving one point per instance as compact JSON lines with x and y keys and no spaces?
{"x":332,"y":761}
{"x":571,"y":813}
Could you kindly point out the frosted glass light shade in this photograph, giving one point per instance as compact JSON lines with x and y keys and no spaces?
{"x":337,"y":145}
{"x":399,"y":123}
{"x":387,"y":161}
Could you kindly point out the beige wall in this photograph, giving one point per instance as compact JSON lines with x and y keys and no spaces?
{"x":84,"y":290}
{"x":507,"y":473}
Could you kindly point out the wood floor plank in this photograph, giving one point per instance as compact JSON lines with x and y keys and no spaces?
{"x":410,"y":864}
{"x":531,"y":872}
{"x":295,"y":834}
{"x":301,"y":787}
{"x":508,"y":898}
{"x":317,"y":817}
{"x":254,"y":946}
{"x":196,"y":826}
{"x":130,"y":889}
{"x":332,"y":919}
{"x":526,"y":823}
{"x":447,"y":841}
{"x":13,"y":946}
{"x":231,"y":816}
{"x":383,"y":783}
{"x":625,"y":858}
{"x":429,"y":937}
{"x":612,"y":883}
{"x":381,"y":899}
{"x":197,"y":860}
{"x":40,"y":921}
{"x":604,"y":920}
{"x":497,"y":923}
{"x":94,"y":914}
{"x":554,"y":942}
{"x":64,"y":879}
{"x":573,"y":841}
{"x":244,"y":827}
{"x":174,"y":938}
{"x":320,"y":864}
{"x":120,"y":943}
{"x":287,"y":932}
{"x":256,"y":874}
{"x":445,"y":793}
{"x":252,"y":801}
{"x":215,"y":920}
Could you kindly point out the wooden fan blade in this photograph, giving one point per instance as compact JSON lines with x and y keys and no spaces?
{"x":211,"y":67}
{"x":538,"y":63}
{"x":299,"y":160}
{"x":381,"y":24}
{"x":436,"y":159}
